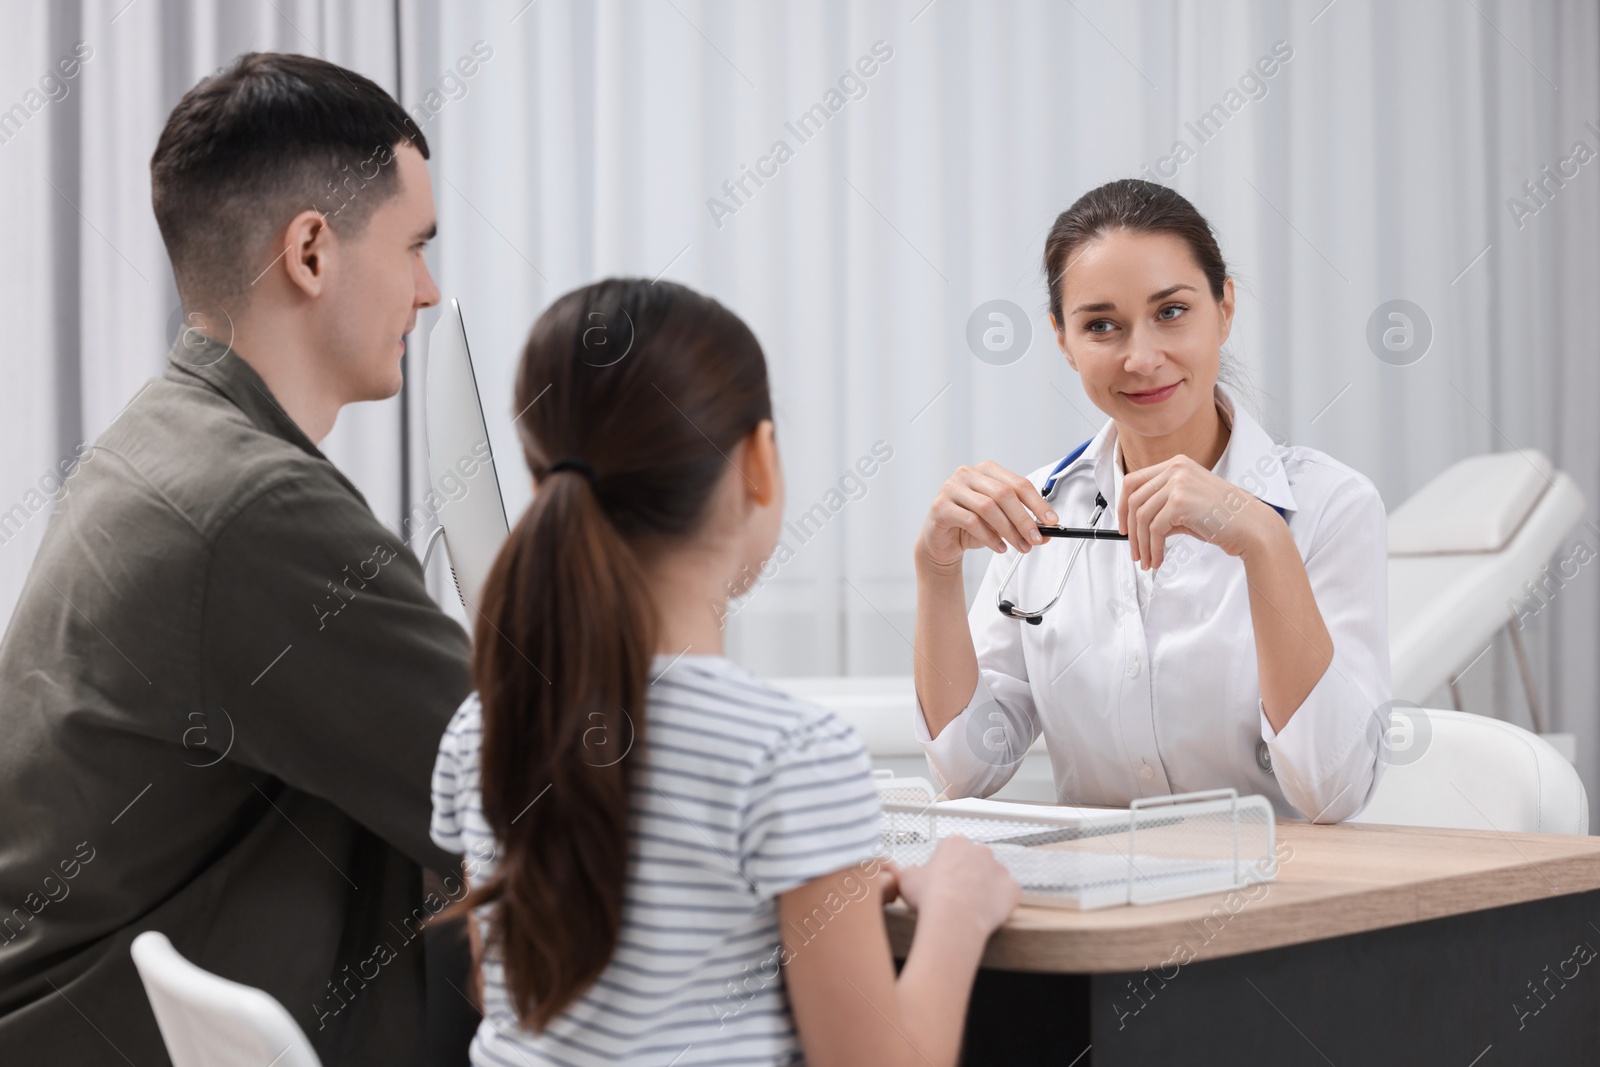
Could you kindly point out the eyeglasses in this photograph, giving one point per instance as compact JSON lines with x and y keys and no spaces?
{"x":1082,"y":534}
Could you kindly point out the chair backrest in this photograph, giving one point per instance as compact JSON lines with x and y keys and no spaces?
{"x":1455,"y":770}
{"x":209,"y":1021}
{"x":881,"y":709}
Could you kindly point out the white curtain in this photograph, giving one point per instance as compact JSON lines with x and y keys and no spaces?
{"x":1377,"y":162}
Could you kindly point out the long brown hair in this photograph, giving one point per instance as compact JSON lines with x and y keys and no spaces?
{"x":648,"y":388}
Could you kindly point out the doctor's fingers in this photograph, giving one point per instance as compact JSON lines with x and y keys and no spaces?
{"x":1025,"y":490}
{"x":1139,"y":485}
{"x":1146,"y":535}
{"x":996,"y":503}
{"x":983,"y":519}
{"x":1171,"y":519}
{"x":1138,"y":488}
{"x":951,"y":515}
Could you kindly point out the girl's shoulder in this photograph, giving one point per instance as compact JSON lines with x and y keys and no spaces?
{"x":457,"y":818}
{"x":463,"y":734}
{"x":717,"y":695}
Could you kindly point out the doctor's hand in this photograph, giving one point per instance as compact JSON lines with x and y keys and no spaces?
{"x":985,"y":506}
{"x":1179,"y":496}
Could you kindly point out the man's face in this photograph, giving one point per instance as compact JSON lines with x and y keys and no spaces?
{"x":380,"y":283}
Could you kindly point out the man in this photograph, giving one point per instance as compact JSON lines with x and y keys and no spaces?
{"x":224,"y":684}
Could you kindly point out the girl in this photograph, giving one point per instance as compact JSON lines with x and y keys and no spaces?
{"x":1252,"y":651}
{"x":674,"y":863}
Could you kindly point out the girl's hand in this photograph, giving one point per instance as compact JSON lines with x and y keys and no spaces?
{"x":963,"y":882}
{"x":888,"y":882}
{"x":1178,"y":496}
{"x":985,"y":506}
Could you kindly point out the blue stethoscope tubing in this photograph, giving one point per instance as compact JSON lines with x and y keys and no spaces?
{"x":1055,"y":475}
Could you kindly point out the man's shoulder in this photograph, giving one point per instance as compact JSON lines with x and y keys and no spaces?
{"x":191,"y":452}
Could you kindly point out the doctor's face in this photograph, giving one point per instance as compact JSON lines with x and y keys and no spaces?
{"x":1142,"y":330}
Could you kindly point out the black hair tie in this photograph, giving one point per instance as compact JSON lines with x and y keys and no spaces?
{"x":572,"y":464}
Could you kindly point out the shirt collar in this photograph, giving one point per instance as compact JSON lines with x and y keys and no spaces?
{"x":1251,"y":460}
{"x":197,"y":356}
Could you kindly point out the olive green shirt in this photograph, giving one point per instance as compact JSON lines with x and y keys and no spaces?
{"x":221,"y":696}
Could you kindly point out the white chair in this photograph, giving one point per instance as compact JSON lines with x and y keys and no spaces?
{"x":1454,"y":770}
{"x":208,"y":1021}
{"x":1462,"y":550}
{"x":882,"y":708}
{"x":1447,"y":769}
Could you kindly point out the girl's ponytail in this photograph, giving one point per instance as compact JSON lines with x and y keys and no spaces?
{"x":554,"y":781}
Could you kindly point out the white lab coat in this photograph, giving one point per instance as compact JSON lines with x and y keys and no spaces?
{"x":1146,"y":685}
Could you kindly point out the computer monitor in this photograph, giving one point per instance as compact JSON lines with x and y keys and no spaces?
{"x":473,"y":517}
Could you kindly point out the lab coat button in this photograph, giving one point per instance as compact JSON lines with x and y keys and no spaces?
{"x":1263,"y":756}
{"x":1133,"y":667}
{"x":1145,"y":772}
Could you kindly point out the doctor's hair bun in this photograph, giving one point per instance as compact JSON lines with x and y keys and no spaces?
{"x":1137,"y":206}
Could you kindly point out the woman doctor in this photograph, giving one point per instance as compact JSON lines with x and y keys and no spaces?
{"x":1237,"y":638}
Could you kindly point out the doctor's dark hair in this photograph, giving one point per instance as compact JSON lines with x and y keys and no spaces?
{"x":247,"y":149}
{"x":646,"y":389}
{"x":1137,"y":206}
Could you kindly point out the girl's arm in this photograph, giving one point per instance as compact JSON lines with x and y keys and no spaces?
{"x":848,"y":1005}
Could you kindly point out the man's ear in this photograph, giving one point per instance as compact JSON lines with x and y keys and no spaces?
{"x":760,"y":463}
{"x":1061,"y":341}
{"x":307,"y":251}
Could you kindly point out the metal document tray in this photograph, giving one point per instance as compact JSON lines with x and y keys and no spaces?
{"x":1160,"y":848}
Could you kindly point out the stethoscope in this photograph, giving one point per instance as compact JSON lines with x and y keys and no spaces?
{"x":1081,"y":534}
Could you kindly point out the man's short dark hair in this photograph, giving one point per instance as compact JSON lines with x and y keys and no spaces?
{"x":262,"y":140}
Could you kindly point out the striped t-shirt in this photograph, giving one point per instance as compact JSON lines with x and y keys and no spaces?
{"x":741,"y":793}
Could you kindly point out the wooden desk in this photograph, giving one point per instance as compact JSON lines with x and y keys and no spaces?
{"x":1374,"y":945}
